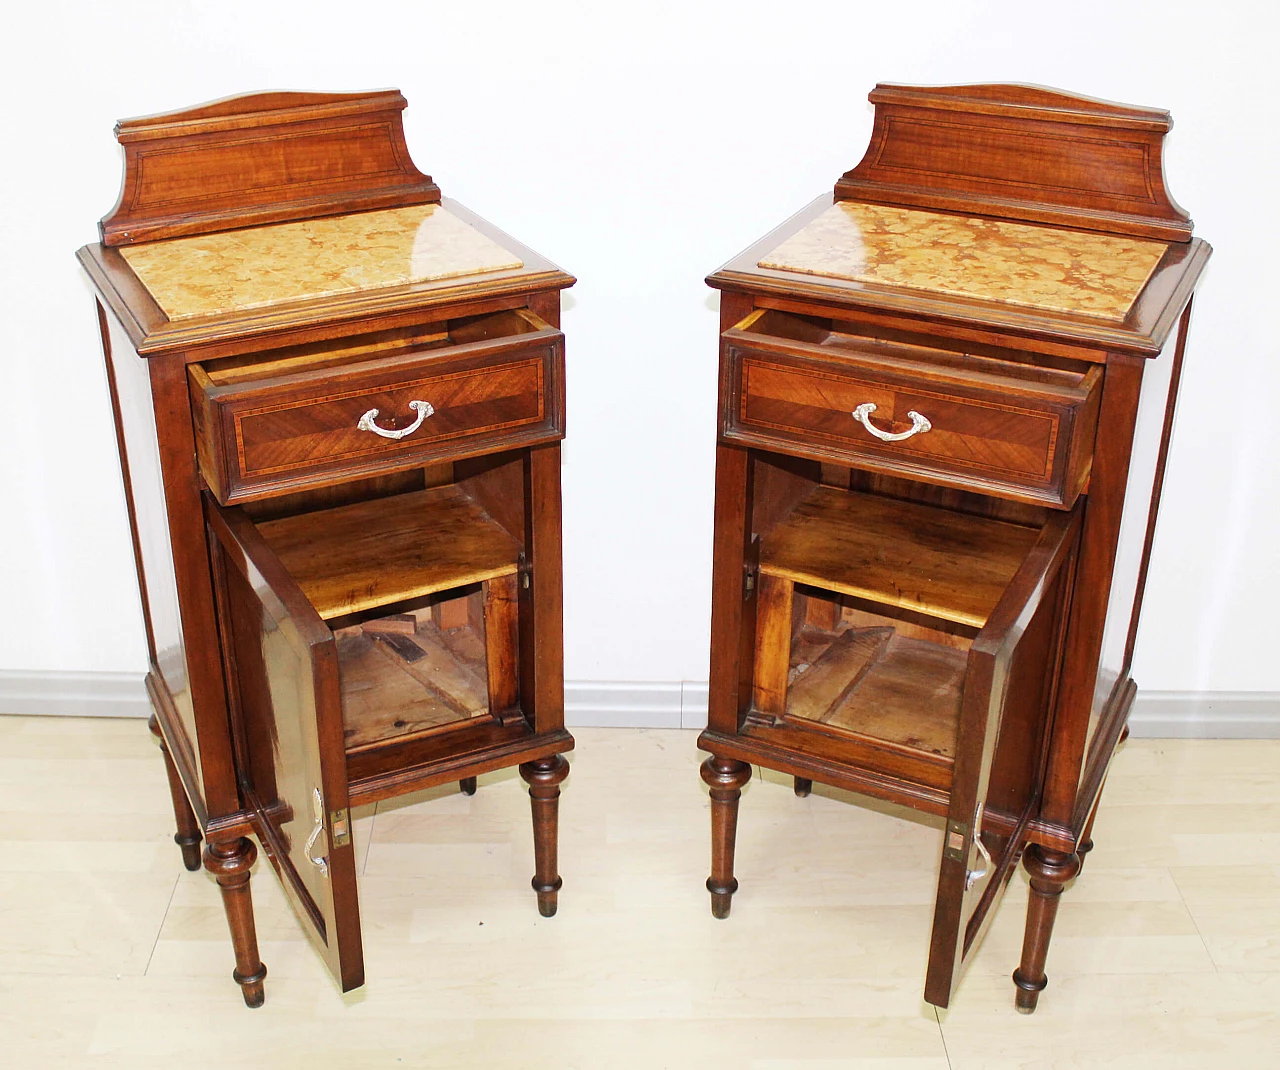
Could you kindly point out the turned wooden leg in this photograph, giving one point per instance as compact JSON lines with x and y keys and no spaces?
{"x":1049,"y":871}
{"x":230,"y":862}
{"x":467,"y":785}
{"x":543,"y":776}
{"x":803,"y":786}
{"x":188,"y":835}
{"x":725,"y":777}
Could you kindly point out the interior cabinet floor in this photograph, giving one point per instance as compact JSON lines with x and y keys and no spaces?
{"x":1166,"y":952}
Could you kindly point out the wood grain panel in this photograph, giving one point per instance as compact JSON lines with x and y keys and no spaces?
{"x":263,"y":158}
{"x":357,"y":557}
{"x":942,"y":564}
{"x":1020,"y":152}
{"x":999,"y":426}
{"x":297,"y":425}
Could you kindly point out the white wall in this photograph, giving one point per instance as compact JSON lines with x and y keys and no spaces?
{"x":639,"y":146}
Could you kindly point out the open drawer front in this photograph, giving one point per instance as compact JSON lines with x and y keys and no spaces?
{"x":990,"y":421}
{"x":312,"y":415}
{"x":372,"y":649}
{"x":914,"y":650}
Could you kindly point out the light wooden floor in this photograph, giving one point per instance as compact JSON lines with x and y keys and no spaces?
{"x":1167,"y":952}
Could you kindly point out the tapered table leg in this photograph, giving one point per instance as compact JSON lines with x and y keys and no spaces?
{"x":1050,"y":871}
{"x":467,"y":785}
{"x":725,"y":777}
{"x":543,"y":775}
{"x":230,"y":862}
{"x":188,"y":835}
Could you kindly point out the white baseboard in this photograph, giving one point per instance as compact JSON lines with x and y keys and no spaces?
{"x":646,"y":704}
{"x":74,"y":694}
{"x":1206,"y":715}
{"x":650,"y":704}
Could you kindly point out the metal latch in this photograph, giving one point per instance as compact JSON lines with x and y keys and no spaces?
{"x":953,"y":848}
{"x":340,"y":824}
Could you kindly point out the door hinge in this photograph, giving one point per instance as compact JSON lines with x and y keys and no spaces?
{"x":340,"y":826}
{"x":525,"y":571}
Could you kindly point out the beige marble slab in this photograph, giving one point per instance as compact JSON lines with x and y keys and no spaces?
{"x":212,"y":274}
{"x":1095,"y":275}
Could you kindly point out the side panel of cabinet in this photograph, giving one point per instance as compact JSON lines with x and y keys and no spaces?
{"x":129,"y":379}
{"x":286,"y":709}
{"x":1151,"y":434}
{"x":1000,"y":749}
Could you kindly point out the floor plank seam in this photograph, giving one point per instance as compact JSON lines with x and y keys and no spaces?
{"x":160,"y":928}
{"x":942,"y":1035}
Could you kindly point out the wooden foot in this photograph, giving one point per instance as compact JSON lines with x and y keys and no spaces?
{"x":1049,"y":871}
{"x":467,"y":785}
{"x":188,"y":835}
{"x":230,"y":862}
{"x":543,"y":777}
{"x":725,"y":777}
{"x":803,"y":786}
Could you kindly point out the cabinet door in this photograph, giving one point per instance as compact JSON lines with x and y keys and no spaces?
{"x":287,"y":721}
{"x":1000,"y":744}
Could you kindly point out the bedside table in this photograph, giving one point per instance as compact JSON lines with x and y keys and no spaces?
{"x":339,"y":400}
{"x":945,"y":408}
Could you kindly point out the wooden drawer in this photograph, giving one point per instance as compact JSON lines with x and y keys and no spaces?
{"x":295,"y":419}
{"x":996,"y":426}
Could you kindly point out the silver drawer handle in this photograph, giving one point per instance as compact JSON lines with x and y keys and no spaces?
{"x":317,"y":806}
{"x":422,"y":408}
{"x":919,"y":424}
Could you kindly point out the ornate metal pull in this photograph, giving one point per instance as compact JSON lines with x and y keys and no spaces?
{"x":317,"y":809}
{"x":919,"y":424}
{"x":422,"y":408}
{"x":972,"y":876}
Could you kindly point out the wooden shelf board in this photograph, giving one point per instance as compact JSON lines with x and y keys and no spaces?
{"x":375,"y":553}
{"x":944,"y":564}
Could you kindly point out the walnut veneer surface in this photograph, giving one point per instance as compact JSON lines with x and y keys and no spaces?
{"x":242,"y":269}
{"x":1014,"y":263}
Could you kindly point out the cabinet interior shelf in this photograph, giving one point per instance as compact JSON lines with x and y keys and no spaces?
{"x":355,"y":558}
{"x":946,"y":565}
{"x":867,"y":677}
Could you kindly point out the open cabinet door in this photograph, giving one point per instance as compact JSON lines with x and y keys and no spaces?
{"x":1000,"y":742}
{"x":287,"y":716}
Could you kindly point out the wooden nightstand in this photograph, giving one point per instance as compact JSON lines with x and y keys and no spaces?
{"x":339,"y":400}
{"x":945,"y":408}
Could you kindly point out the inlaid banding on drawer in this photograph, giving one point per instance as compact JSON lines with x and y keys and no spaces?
{"x":306,"y":416}
{"x":994,"y":423}
{"x":963,"y":432}
{"x":280,"y":437}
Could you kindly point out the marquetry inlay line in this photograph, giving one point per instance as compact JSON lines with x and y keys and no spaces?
{"x":1096,"y":275}
{"x":236,"y":270}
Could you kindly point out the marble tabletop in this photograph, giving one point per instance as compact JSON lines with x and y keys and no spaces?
{"x":1095,"y":275}
{"x":214,"y":274}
